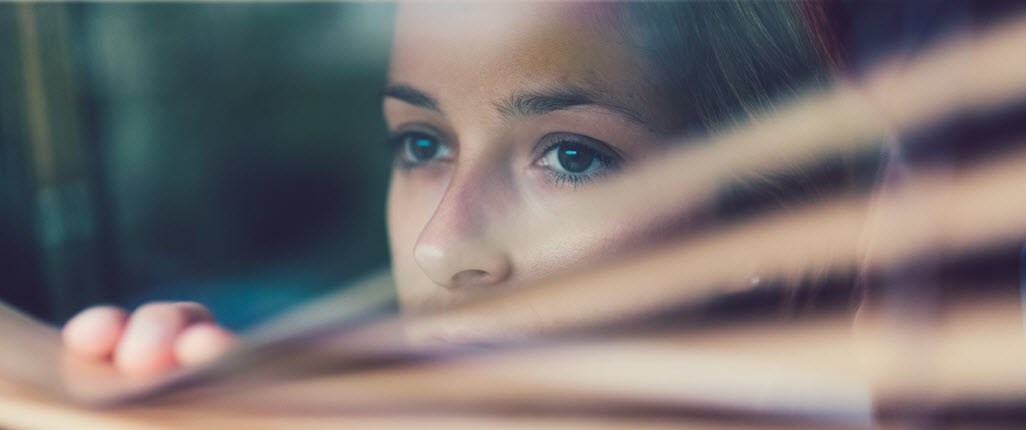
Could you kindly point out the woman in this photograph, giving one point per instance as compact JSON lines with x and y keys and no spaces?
{"x":500,"y":112}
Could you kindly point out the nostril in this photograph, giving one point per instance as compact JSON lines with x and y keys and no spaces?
{"x":472,"y":277}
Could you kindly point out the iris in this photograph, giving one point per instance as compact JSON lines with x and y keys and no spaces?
{"x":421,"y":148}
{"x":575,"y":158}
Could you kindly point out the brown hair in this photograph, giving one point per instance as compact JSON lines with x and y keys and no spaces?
{"x":723,"y":61}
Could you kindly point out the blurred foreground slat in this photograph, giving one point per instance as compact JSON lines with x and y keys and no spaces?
{"x":23,"y":409}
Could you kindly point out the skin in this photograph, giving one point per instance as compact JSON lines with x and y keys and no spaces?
{"x":493,"y":160}
{"x":156,"y":338}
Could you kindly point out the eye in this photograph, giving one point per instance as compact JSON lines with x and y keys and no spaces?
{"x":572,"y":158}
{"x":577,"y":160}
{"x":414,"y":148}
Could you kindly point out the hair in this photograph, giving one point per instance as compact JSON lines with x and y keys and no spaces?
{"x":722,"y":62}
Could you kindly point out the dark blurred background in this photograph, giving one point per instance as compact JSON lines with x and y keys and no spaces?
{"x":230,"y":154}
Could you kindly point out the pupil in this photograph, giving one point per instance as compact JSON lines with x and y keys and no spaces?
{"x":423,"y":148}
{"x":575,"y":159}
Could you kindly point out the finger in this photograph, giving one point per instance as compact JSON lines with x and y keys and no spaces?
{"x":147,"y":346}
{"x":94,"y":332}
{"x":201,"y":343}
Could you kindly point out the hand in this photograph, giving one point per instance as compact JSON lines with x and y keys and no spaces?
{"x":157,"y":338}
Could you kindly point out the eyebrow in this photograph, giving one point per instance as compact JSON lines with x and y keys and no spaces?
{"x":521,"y":104}
{"x":411,"y":95}
{"x":542,"y":102}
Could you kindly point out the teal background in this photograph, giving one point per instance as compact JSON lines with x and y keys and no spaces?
{"x":231,"y":154}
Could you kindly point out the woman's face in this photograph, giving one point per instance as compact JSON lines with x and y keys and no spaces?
{"x":499,"y":112}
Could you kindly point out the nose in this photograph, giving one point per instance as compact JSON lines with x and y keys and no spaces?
{"x":454,"y":248}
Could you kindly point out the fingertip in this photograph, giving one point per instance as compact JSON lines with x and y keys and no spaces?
{"x":94,"y":333}
{"x":146,"y":347}
{"x":202,"y":343}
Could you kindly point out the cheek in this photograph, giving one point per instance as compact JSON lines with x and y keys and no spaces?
{"x":570,"y":234}
{"x":578,"y":243}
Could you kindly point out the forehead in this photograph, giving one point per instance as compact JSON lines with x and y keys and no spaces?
{"x":508,"y":47}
